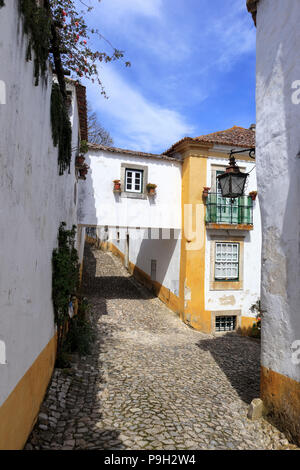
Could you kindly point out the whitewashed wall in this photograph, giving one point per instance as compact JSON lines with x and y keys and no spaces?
{"x":245,"y":298}
{"x":34,"y":200}
{"x":278,"y":170}
{"x":98,"y":205}
{"x":161,"y":245}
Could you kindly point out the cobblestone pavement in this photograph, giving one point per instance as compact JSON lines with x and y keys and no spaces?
{"x":151,"y":381}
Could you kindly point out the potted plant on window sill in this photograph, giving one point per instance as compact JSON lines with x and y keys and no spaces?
{"x":253,"y":195}
{"x":151,"y":189}
{"x":205,"y":192}
{"x":79,"y":162}
{"x":117,"y":186}
{"x":83,"y":171}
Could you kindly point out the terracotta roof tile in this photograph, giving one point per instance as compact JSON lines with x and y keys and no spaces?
{"x":235,"y":137}
{"x":135,"y":153}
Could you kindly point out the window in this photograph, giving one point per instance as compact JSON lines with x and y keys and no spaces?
{"x":134,"y":180}
{"x":153,"y":269}
{"x":226,"y":323}
{"x":227,"y":262}
{"x":91,"y":232}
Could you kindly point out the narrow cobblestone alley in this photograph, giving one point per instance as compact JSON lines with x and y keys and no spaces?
{"x":151,"y":381}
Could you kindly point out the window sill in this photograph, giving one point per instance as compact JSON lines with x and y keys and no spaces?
{"x":226,"y":285}
{"x":133,"y":195}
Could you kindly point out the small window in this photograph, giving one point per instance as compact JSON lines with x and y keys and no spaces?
{"x":226,"y":323}
{"x":134,"y":181}
{"x":227,"y":262}
{"x":153,"y":269}
{"x":91,"y":232}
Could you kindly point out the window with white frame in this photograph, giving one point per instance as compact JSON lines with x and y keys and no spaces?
{"x":134,"y":180}
{"x":227,"y":261}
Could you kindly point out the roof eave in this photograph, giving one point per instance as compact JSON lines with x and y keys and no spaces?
{"x":133,"y":153}
{"x":185,"y":143}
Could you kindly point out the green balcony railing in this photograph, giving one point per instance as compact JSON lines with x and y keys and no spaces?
{"x":221,"y":210}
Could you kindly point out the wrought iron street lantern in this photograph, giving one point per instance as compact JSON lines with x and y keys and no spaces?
{"x":232,"y":182}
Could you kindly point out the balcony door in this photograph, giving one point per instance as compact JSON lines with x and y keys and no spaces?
{"x":227,"y":211}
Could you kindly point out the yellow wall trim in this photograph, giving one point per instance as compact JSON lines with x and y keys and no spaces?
{"x":19,"y":412}
{"x":246,"y":325}
{"x":281,"y":396}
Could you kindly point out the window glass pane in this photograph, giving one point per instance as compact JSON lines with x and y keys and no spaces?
{"x":226,"y":262}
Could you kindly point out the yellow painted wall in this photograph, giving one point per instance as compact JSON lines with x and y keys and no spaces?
{"x":281,"y":396}
{"x":192,"y":265}
{"x":19,"y":412}
{"x":246,"y":325}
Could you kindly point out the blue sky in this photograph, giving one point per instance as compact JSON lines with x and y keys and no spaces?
{"x":192,"y":73}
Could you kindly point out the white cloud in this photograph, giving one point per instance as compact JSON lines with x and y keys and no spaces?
{"x":139,"y":124}
{"x":118,"y":10}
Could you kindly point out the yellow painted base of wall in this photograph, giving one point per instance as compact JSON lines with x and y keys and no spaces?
{"x":281,"y":396}
{"x":115,"y":251}
{"x":246,"y":325}
{"x":19,"y":412}
{"x":162,"y":292}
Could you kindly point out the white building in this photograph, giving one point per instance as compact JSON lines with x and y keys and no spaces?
{"x":278,"y":170}
{"x":172,"y":241}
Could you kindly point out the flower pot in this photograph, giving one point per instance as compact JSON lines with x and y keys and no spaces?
{"x":83,"y":171}
{"x":253,"y":195}
{"x":151,"y":189}
{"x":205,"y":192}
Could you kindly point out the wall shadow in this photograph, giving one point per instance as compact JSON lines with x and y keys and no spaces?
{"x":161,"y":251}
{"x":239,"y":358}
{"x":108,"y":287}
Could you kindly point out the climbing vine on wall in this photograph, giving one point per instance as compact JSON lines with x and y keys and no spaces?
{"x":37,"y":24}
{"x":65,"y":279}
{"x":61,"y":129}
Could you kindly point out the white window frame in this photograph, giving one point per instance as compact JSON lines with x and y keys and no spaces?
{"x":135,"y":181}
{"x":226,"y":259}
